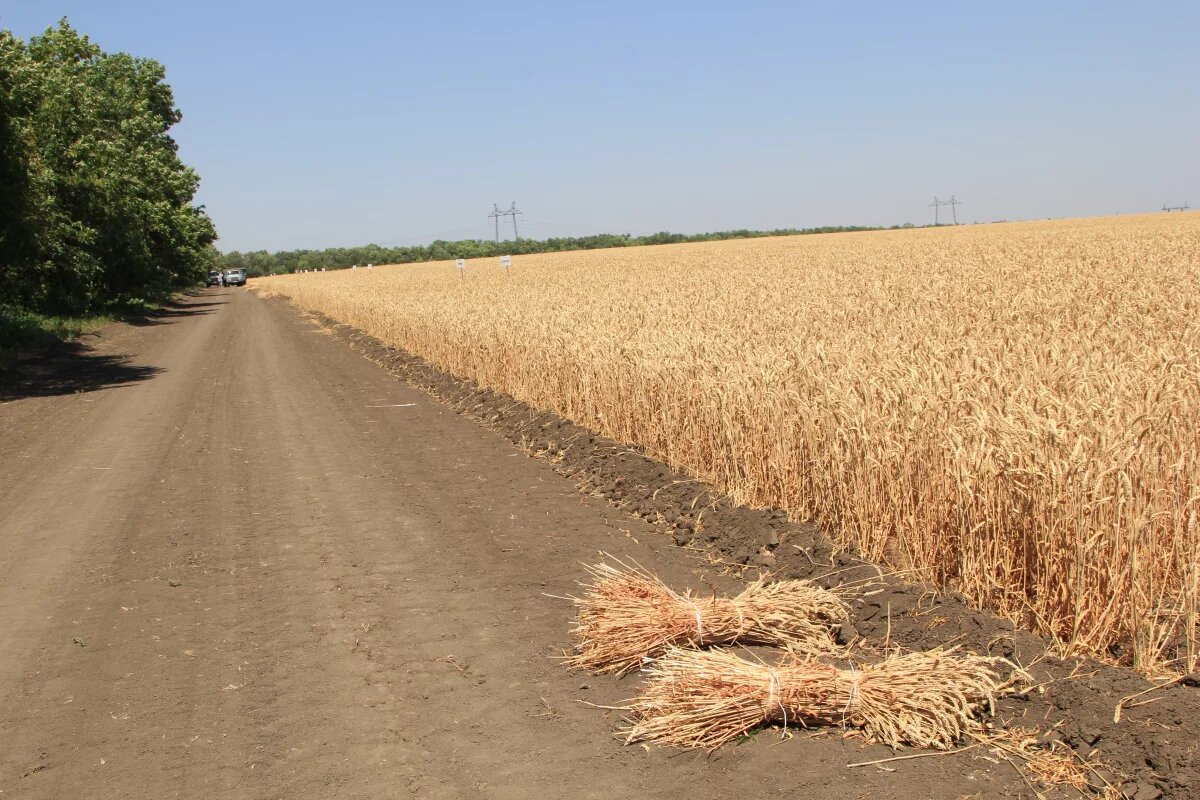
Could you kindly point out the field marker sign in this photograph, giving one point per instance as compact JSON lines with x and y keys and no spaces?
{"x":506,"y":262}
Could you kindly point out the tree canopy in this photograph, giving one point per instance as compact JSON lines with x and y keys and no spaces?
{"x":95,"y":204}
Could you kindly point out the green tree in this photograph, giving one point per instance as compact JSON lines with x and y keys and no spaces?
{"x":98,"y":206}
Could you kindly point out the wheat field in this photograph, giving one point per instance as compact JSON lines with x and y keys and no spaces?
{"x":1009,"y":411}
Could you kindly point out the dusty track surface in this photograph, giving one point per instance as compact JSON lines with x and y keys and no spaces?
{"x":237,"y":559}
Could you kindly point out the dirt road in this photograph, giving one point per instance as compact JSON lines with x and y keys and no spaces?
{"x":237,"y":559}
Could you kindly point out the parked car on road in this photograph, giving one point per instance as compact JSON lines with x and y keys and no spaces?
{"x":235,"y":277}
{"x":214,"y":277}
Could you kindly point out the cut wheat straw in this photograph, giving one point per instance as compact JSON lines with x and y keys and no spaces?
{"x":628,"y":615}
{"x":705,"y":699}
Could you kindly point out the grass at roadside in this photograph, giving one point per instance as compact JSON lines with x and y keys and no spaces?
{"x":27,"y":333}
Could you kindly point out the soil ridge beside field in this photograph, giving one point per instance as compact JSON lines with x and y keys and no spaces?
{"x":1152,"y":751}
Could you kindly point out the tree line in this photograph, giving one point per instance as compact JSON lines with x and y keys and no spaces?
{"x":95,"y":205}
{"x":261,"y":262}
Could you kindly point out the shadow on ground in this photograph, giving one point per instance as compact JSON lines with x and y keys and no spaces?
{"x":174,"y":311}
{"x":75,"y":366}
{"x":70,"y":368}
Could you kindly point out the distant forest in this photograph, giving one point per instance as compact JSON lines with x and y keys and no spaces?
{"x":260,"y":262}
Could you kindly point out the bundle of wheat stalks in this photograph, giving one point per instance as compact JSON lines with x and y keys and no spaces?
{"x":628,"y":615}
{"x":705,"y":699}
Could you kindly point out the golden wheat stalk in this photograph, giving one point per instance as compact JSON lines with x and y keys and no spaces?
{"x":1005,"y":410}
{"x":628,"y":615}
{"x":706,"y":698}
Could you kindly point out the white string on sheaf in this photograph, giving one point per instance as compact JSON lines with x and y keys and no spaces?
{"x":774,"y":698}
{"x":852,"y":697}
{"x":699,"y":624}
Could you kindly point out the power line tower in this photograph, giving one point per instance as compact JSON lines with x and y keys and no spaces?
{"x":496,"y":215}
{"x":954,"y":204}
{"x":512,"y":211}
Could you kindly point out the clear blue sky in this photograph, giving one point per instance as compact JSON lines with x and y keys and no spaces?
{"x":326,"y":124}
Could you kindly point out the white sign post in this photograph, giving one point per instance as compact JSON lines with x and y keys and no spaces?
{"x":506,"y":262}
{"x":461,"y":263}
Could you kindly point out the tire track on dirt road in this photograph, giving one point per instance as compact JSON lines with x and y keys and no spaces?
{"x":270,"y":570}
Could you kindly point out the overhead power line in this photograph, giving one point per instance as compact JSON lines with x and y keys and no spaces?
{"x":953,"y":202}
{"x":511,"y":212}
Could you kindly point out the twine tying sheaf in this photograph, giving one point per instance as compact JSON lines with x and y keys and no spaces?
{"x":774,"y":699}
{"x":772,"y":691}
{"x":852,"y":695}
